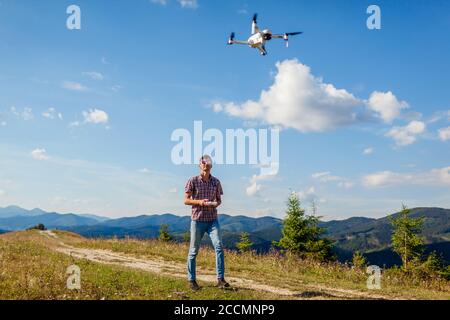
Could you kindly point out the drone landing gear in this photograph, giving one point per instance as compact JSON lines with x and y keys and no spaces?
{"x":262,"y":50}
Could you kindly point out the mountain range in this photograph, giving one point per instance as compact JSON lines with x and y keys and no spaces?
{"x":373,"y":236}
{"x":367,"y":235}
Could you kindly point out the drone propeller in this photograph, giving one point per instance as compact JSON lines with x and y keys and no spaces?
{"x":255,"y":18}
{"x":293,"y":33}
{"x":287,"y":35}
{"x":231,"y":39}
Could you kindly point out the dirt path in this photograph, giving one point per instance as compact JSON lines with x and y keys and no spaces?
{"x":174,"y":269}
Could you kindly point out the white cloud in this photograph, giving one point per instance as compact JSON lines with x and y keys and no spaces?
{"x":2,"y":192}
{"x":160,"y":2}
{"x":39,"y":154}
{"x":386,"y":105}
{"x":73,"y":86}
{"x":105,"y":61}
{"x":368,"y":151}
{"x":94,"y":75}
{"x":444,"y":134}
{"x":191,"y":4}
{"x":26,"y":114}
{"x":298,"y":100}
{"x":346,"y":184}
{"x":385,"y":178}
{"x":95,"y":116}
{"x":407,"y":135}
{"x":144,"y":170}
{"x":309,"y":195}
{"x":434,"y":177}
{"x":438,"y":116}
{"x":116,"y":88}
{"x":51,"y":113}
{"x":173,"y":190}
{"x":410,"y":116}
{"x":74,"y":124}
{"x":255,"y":187}
{"x":328,"y":177}
{"x":217,"y":107}
{"x":106,"y":189}
{"x":2,"y":122}
{"x":325,"y":176}
{"x":434,"y":118}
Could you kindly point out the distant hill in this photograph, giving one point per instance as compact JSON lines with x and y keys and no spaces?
{"x":389,"y":258}
{"x":374,"y":234}
{"x":344,"y":226}
{"x":369,"y":236}
{"x":50,"y":220}
{"x":95,"y":217}
{"x":15,"y":211}
{"x":262,"y":230}
{"x":176,"y":223}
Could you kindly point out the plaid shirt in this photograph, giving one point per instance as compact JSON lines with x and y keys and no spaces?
{"x":199,"y":190}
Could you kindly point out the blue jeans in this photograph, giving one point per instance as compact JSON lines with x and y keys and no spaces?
{"x":198,"y":229}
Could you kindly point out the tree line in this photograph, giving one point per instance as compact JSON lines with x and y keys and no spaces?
{"x":304,"y":238}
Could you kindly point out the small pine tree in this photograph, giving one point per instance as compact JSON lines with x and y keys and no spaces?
{"x":302,"y":235}
{"x":187,"y":236}
{"x":359,"y":261}
{"x":406,"y":241}
{"x":433,"y":265}
{"x":164,"y":234}
{"x":244,"y":243}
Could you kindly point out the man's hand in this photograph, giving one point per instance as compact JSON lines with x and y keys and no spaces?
{"x":202,"y":203}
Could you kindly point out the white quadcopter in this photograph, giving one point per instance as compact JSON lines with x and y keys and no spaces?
{"x":258,"y":38}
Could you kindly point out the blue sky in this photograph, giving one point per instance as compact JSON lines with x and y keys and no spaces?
{"x":86,"y":115}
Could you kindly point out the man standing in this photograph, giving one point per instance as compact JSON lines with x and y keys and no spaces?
{"x":203,"y":193}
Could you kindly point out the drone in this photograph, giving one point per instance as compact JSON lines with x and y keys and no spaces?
{"x":259,"y":38}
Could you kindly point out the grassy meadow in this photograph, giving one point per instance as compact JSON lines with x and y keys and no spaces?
{"x":32,"y":268}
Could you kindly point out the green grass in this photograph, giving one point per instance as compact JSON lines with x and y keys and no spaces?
{"x":30,"y":270}
{"x":283,"y":271}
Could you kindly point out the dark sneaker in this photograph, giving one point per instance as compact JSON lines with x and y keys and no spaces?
{"x":222,"y":284}
{"x":194,"y":286}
